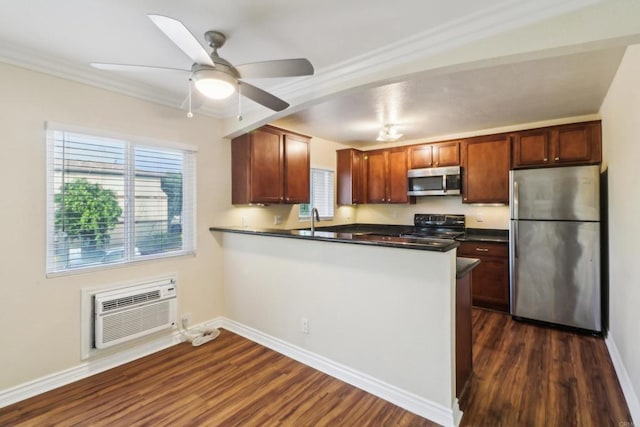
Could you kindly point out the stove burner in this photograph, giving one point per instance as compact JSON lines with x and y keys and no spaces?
{"x":438,"y":226}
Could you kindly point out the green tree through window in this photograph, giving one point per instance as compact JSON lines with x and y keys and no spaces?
{"x":88,"y":212}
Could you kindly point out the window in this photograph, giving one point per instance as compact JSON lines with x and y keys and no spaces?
{"x":114,"y":201}
{"x":322,"y":195}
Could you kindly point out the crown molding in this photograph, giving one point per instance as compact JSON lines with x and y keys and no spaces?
{"x":363,"y":69}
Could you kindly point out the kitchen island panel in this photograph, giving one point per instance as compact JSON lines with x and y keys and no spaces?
{"x":385,"y":312}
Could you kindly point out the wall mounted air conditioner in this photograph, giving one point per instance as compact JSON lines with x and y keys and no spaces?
{"x":125,"y":314}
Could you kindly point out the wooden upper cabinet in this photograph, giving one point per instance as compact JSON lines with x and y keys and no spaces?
{"x":434,"y":155}
{"x":386,"y":175}
{"x":350,"y":172}
{"x":420,"y":156}
{"x":296,"y":169}
{"x":376,"y":173}
{"x":397,"y":183}
{"x":270,"y":165}
{"x":446,"y":154}
{"x":531,"y":148}
{"x":579,"y":143}
{"x":572,"y":144}
{"x":485,"y":169}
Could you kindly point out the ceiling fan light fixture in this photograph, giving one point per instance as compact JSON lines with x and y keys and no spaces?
{"x":214,"y":84}
{"x":388,"y":133}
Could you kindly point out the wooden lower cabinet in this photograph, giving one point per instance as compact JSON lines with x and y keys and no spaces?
{"x":490,"y":280}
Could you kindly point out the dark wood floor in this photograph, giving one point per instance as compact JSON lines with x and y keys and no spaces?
{"x":528,"y":375}
{"x":524,"y":375}
{"x":230,"y":381}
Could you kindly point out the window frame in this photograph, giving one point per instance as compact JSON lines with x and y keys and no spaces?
{"x":189,"y":201}
{"x":332,"y":204}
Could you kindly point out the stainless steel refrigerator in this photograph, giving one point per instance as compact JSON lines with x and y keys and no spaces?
{"x":555,"y":246}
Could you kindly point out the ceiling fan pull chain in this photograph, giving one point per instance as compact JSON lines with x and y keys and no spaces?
{"x":239,"y":101}
{"x":190,"y":114}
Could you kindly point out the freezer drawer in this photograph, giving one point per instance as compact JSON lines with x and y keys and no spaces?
{"x":555,"y":272}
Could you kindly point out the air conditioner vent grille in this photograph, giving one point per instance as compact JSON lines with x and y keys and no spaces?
{"x":130,"y":300}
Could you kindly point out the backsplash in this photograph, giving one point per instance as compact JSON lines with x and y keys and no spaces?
{"x":495,"y":217}
{"x":476,"y":216}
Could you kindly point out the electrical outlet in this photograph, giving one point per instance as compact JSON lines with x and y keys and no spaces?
{"x":479,"y":217}
{"x":244,"y":221}
{"x":277,"y":219}
{"x":304,"y":325}
{"x":185,"y":320}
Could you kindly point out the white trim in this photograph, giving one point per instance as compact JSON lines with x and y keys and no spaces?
{"x":505,"y":16}
{"x":418,"y":405}
{"x":404,"y":399}
{"x":625,"y":382}
{"x":86,"y":369}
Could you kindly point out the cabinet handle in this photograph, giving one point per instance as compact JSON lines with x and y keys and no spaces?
{"x":544,"y":160}
{"x":482,"y":249}
{"x":437,"y":163}
{"x":557,"y":158}
{"x":281,"y":197}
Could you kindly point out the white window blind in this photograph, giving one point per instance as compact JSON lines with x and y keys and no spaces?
{"x":322,"y":195}
{"x":113,"y":201}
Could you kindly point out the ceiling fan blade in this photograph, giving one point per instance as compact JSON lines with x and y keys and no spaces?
{"x":135,"y":68}
{"x":182,"y":37}
{"x":278,"y":68}
{"x":261,"y":97}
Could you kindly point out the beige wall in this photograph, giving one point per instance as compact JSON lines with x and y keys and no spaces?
{"x":621,"y":140}
{"x":41,"y":316}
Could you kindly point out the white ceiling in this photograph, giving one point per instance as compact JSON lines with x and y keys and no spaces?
{"x":341,"y":38}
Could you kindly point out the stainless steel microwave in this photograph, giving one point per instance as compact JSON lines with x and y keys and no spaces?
{"x":435,"y":181}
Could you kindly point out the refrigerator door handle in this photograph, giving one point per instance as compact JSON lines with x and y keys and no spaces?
{"x":515,"y":200}
{"x":515,"y":239}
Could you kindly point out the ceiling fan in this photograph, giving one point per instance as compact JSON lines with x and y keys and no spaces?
{"x":213,"y":76}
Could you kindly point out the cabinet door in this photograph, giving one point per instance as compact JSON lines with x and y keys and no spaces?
{"x":266,"y":166}
{"x":574,"y":144}
{"x":420,"y":156}
{"x":490,"y":279}
{"x":531,"y":148}
{"x":490,"y":284}
{"x":446,"y":154}
{"x":485,"y":163}
{"x":349,"y":164}
{"x":397,"y":184}
{"x":376,"y":165}
{"x":296,"y":169}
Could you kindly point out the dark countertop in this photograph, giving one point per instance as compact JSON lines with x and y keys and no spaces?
{"x":465,"y":265}
{"x":356,"y":234}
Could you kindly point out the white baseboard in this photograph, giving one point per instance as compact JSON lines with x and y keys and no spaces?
{"x":625,"y":382}
{"x":404,"y":399}
{"x":91,"y":367}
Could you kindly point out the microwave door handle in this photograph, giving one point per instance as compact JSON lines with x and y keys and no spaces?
{"x":444,"y":182}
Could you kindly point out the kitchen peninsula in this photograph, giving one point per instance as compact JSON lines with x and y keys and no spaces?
{"x":377,"y":313}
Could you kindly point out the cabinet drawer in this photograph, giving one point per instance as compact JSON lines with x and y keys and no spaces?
{"x":479,"y":249}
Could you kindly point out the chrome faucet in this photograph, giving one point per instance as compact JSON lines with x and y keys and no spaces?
{"x":315,"y":216}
